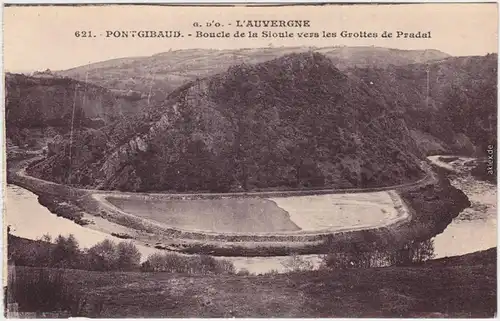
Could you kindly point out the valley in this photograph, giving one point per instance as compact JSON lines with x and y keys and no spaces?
{"x":261,"y":157}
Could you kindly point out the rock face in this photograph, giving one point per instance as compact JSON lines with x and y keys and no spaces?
{"x":55,"y":105}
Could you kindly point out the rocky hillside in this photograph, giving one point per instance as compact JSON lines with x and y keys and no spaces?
{"x":43,"y":106}
{"x":450,"y":105}
{"x":160,"y":74}
{"x":295,"y":121}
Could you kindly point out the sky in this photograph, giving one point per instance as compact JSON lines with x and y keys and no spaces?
{"x":41,"y":37}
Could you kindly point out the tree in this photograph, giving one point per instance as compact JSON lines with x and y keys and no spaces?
{"x":129,"y":257}
{"x":155,"y":262}
{"x":103,"y":256}
{"x":46,"y":238}
{"x":66,"y":253}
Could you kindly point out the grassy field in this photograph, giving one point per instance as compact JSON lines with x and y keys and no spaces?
{"x":447,"y":288}
{"x":217,"y":215}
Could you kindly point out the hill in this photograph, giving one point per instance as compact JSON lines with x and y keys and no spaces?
{"x":295,"y":121}
{"x":160,"y":74}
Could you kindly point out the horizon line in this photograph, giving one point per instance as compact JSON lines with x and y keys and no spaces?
{"x":20,"y":71}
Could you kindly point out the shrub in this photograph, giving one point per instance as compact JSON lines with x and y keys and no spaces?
{"x":297,"y":263}
{"x":272,"y":272}
{"x":121,"y":235}
{"x":165,"y":263}
{"x":225,"y":267}
{"x":65,"y":253}
{"x":29,"y":253}
{"x":349,"y":256}
{"x":171,"y":262}
{"x":412,"y":252}
{"x":339,"y":260}
{"x":448,"y":159}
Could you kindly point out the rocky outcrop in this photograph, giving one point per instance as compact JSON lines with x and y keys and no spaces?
{"x":59,"y":104}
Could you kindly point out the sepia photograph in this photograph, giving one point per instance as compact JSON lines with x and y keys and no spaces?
{"x":250,"y":161}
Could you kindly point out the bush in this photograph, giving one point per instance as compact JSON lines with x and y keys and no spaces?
{"x":243,"y":272}
{"x":121,"y":235}
{"x":225,"y":267}
{"x":345,"y":260}
{"x":352,"y":255}
{"x":413,"y":252}
{"x":29,"y":253}
{"x":103,"y":256}
{"x":448,"y":159}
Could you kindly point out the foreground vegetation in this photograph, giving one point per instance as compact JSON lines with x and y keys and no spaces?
{"x":443,"y":288}
{"x":108,"y":280}
{"x":107,"y":255}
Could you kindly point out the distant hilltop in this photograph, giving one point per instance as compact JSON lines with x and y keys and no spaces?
{"x":159,"y":74}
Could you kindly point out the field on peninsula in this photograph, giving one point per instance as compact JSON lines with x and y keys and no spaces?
{"x":313,"y":213}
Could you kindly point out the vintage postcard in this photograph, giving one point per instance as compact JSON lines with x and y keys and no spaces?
{"x":235,"y":161}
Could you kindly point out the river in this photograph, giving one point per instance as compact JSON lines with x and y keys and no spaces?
{"x":30,"y":220}
{"x":474,"y":229}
